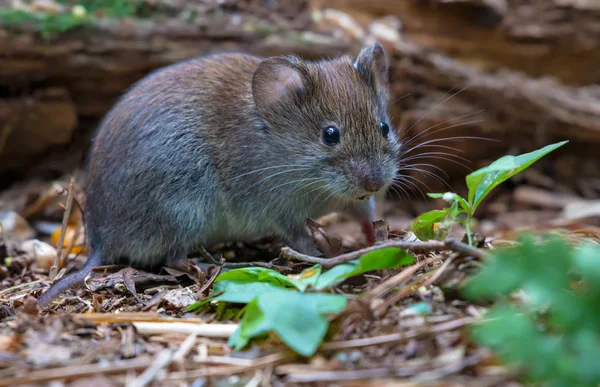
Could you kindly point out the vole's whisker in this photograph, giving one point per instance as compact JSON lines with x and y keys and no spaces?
{"x":409,"y":180}
{"x":319,"y":187}
{"x":431,"y":166}
{"x":398,"y":99}
{"x":454,"y":138}
{"x":291,"y":182}
{"x":426,"y":157}
{"x":427,"y":154}
{"x":434,"y":107}
{"x":426,"y":131}
{"x":263,"y":169}
{"x":433,"y":146}
{"x":408,"y":184}
{"x":396,"y":190}
{"x":277,"y":174}
{"x":302,"y":187}
{"x":410,"y":149}
{"x":428,"y":173}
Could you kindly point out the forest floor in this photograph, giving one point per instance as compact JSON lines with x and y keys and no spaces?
{"x":402,"y":326}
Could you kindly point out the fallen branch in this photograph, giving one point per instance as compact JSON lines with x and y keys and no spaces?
{"x":161,"y":361}
{"x":63,"y":230}
{"x":394,"y":337}
{"x":415,"y":247}
{"x":76,"y":371}
{"x":205,"y":330}
{"x":204,"y":372}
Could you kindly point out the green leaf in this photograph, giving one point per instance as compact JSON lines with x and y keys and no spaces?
{"x":423,"y":225}
{"x":301,"y":281}
{"x":197,"y":305}
{"x":307,"y":278}
{"x":420,"y":308}
{"x":482,"y":181}
{"x":435,"y":195}
{"x":241,"y":292}
{"x":253,"y":324}
{"x":587,"y":262}
{"x":463,"y":203}
{"x":297,"y":318}
{"x":255,"y":274}
{"x":388,"y":258}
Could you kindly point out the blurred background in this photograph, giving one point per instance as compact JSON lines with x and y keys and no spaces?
{"x":524,"y":73}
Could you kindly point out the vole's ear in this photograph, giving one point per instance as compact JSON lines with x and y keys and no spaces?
{"x":373,"y":66}
{"x":276,"y":81}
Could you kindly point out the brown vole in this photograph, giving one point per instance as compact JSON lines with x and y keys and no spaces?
{"x":233,"y":147}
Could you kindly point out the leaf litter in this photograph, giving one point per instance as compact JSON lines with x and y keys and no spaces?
{"x":402,"y":321}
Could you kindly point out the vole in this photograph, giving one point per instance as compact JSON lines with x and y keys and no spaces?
{"x":235,"y":147}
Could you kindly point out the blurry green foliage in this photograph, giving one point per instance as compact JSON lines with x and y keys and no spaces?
{"x":75,"y":14}
{"x":552,"y":329}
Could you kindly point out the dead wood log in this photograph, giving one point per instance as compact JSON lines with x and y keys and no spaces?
{"x":560,"y":38}
{"x":31,"y":125}
{"x":95,"y":65}
{"x":434,"y":92}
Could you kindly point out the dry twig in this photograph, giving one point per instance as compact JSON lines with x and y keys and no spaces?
{"x":207,"y":330}
{"x":415,"y":247}
{"x":76,"y":371}
{"x":395,"y":337}
{"x":63,"y":229}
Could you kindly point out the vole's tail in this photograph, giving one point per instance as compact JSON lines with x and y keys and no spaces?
{"x":71,"y":280}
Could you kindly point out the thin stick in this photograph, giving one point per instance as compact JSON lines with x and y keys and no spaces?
{"x":395,"y":337}
{"x":205,"y":330}
{"x":327,"y":263}
{"x":24,"y":285}
{"x":208,"y":283}
{"x":162,"y":360}
{"x":63,"y":229}
{"x":74,"y":372}
{"x":406,"y":291}
{"x":185,"y":348}
{"x":337,"y":376}
{"x":438,"y":273}
{"x":208,"y":256}
{"x":383,"y":288}
{"x":236,"y":265}
{"x":268,"y":360}
{"x":465,"y":249}
{"x":73,"y":241}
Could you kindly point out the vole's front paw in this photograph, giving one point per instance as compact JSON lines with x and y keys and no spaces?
{"x":306,"y":245}
{"x":178,"y":262}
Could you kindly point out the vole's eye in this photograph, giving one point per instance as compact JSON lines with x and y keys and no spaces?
{"x":385,"y":128}
{"x":331,"y":135}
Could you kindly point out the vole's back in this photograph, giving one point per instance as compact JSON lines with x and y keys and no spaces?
{"x":151,"y":184}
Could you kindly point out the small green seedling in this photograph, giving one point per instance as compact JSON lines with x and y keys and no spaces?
{"x":291,"y":306}
{"x":437,"y":224}
{"x":545,"y":317}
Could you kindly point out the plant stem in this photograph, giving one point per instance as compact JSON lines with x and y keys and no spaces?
{"x":468,"y":229}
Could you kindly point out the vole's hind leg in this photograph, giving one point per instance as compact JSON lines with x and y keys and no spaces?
{"x":364,"y":213}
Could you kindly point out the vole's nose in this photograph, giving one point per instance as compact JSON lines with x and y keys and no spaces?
{"x":367,"y":175}
{"x":372,"y":184}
